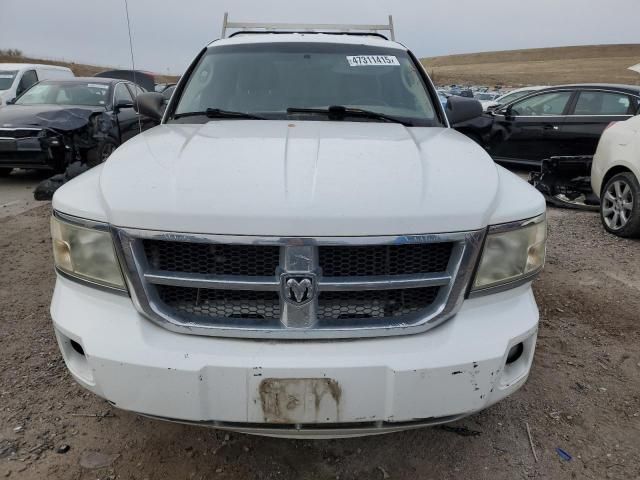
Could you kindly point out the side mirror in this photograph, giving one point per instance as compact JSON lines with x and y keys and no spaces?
{"x":461,"y":109}
{"x":150,"y":104}
{"x":122,"y":104}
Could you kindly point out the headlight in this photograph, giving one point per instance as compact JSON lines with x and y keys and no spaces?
{"x":512,"y":252}
{"x":86,"y":253}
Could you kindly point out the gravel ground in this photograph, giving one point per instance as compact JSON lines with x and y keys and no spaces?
{"x":583,"y":395}
{"x":16,"y":191}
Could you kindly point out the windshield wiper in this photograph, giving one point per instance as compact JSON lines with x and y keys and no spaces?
{"x":339,"y":112}
{"x":217,"y":113}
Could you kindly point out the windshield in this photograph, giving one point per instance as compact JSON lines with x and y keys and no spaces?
{"x":267,"y":79}
{"x":6,"y":78}
{"x":66,"y":93}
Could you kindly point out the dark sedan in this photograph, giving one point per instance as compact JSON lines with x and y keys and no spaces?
{"x":556,"y":121}
{"x":58,"y":122}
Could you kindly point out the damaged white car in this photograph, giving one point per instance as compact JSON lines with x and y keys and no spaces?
{"x":303,"y":247}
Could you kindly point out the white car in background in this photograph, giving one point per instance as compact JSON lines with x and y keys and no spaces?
{"x":17,"y":78}
{"x":486,"y":98}
{"x":510,"y":97}
{"x":614,"y":177}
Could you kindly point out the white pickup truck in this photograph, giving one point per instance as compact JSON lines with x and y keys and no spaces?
{"x":303,"y":247}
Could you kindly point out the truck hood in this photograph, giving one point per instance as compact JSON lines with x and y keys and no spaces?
{"x":280,"y":178}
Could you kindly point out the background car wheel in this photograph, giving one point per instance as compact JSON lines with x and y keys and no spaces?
{"x":620,"y":205}
{"x":100,"y":154}
{"x":4,"y":172}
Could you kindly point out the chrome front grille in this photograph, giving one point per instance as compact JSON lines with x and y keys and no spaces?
{"x":268,"y":287}
{"x":21,"y":132}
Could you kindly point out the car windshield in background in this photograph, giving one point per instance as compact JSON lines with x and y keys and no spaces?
{"x":6,"y":78}
{"x":510,"y":97}
{"x":66,"y":93}
{"x":267,"y":79}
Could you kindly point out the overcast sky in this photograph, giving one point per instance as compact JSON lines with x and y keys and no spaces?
{"x":167,"y":34}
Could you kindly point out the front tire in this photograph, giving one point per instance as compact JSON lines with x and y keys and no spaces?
{"x":620,"y":205}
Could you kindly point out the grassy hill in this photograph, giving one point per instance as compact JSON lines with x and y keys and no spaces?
{"x":538,"y":66}
{"x":79,"y":69}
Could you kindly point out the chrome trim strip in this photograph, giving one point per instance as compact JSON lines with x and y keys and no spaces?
{"x":237,"y":282}
{"x":569,"y":88}
{"x":509,"y":226}
{"x":293,"y":241}
{"x":625,"y":115}
{"x":82,"y":222}
{"x":464,"y":257}
{"x":222,"y":282}
{"x":386,"y":283}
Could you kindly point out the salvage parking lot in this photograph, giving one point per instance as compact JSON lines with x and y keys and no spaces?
{"x":583,"y":396}
{"x":16,"y":191}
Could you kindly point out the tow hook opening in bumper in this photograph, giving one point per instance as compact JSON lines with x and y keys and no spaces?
{"x":76,"y":359}
{"x":515,"y":353}
{"x":518,"y":361}
{"x":77,"y":347}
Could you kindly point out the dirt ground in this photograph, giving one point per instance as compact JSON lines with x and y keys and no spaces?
{"x":16,"y":191}
{"x":583,"y":395}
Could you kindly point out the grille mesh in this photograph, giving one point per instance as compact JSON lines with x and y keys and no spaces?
{"x":221,"y":303}
{"x":215,"y":259}
{"x":385,"y":261}
{"x":18,"y":133}
{"x":355,"y":261}
{"x":374,"y":304}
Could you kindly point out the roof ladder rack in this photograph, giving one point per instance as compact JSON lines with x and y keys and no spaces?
{"x":252,"y":27}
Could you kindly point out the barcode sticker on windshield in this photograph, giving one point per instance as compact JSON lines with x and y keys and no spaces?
{"x":375,"y":60}
{"x":98,"y":85}
{"x":4,"y":75}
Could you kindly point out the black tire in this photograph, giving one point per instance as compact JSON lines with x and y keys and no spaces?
{"x":620,"y":199}
{"x":5,"y":172}
{"x":100,"y":154}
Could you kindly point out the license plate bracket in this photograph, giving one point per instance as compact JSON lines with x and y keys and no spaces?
{"x":300,"y":400}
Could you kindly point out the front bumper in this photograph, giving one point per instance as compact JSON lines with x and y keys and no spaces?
{"x":40,"y":151}
{"x":315,"y":388}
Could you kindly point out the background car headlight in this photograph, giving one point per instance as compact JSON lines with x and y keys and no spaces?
{"x":512,"y":252}
{"x":86,"y":253}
